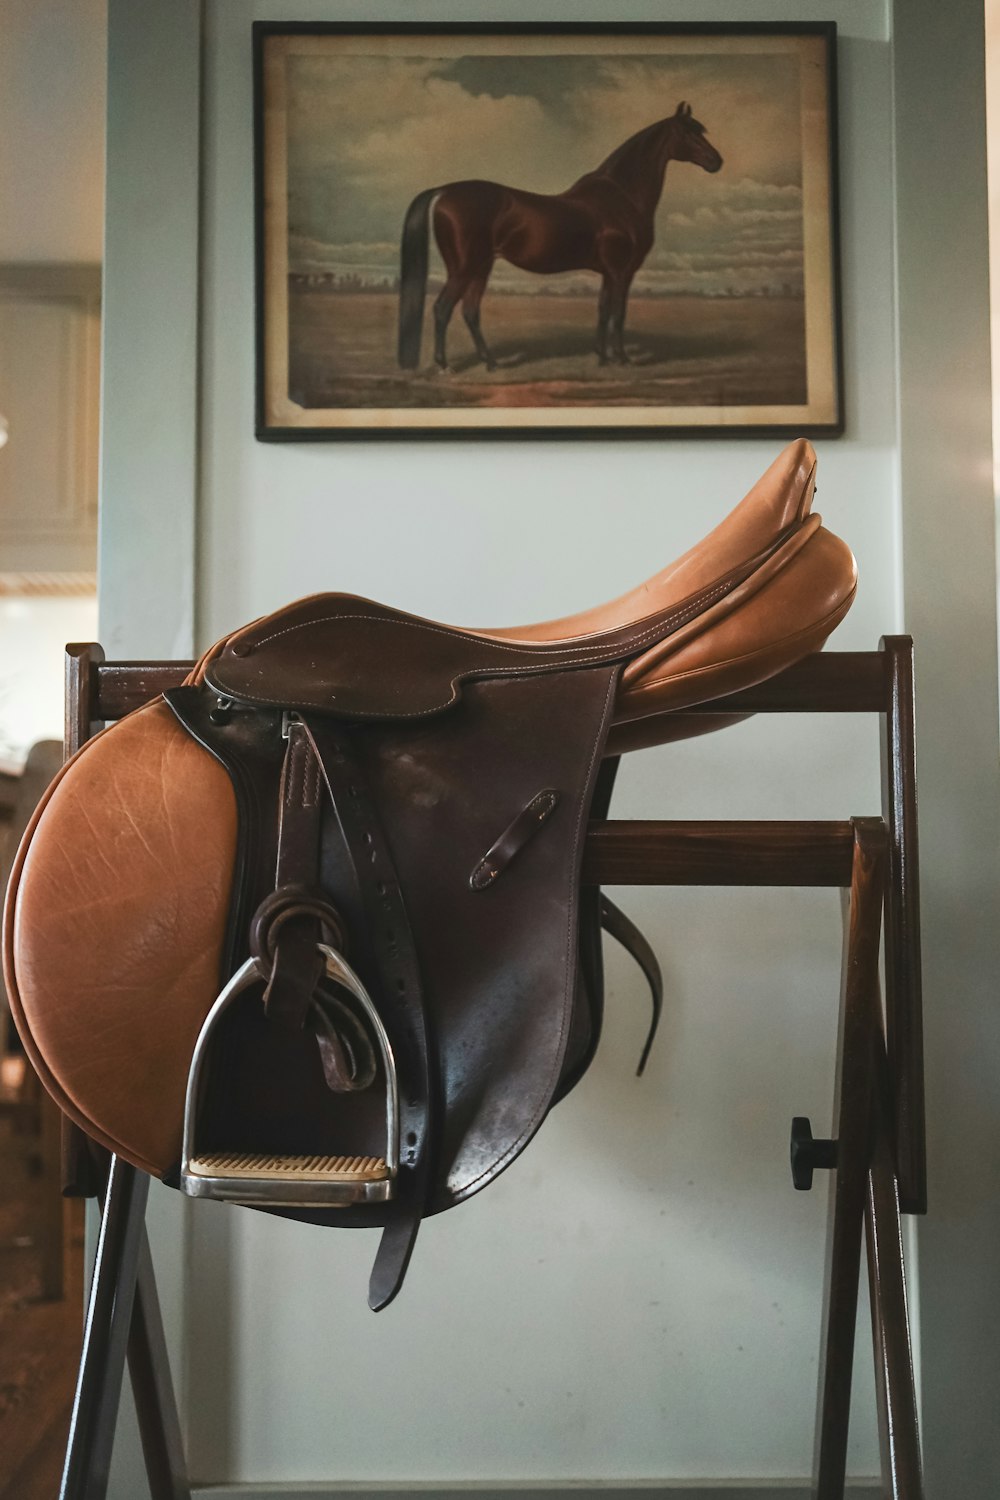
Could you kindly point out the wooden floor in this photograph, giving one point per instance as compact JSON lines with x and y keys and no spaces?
{"x":39,"y":1341}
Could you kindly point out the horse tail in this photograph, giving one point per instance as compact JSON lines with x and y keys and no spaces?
{"x":413,"y":256}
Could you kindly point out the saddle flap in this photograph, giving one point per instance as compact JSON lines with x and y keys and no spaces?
{"x":352,"y":658}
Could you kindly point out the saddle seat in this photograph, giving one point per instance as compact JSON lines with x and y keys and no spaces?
{"x":785,"y":608}
{"x":341,"y":777}
{"x":761,"y":590}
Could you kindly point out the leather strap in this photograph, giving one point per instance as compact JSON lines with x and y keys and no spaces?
{"x":392,"y":1260}
{"x":296,"y":917}
{"x":292,"y":936}
{"x":624,"y":931}
{"x":513,"y":839}
{"x":400,"y":999}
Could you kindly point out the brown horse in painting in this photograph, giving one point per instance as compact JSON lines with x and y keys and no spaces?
{"x":603,"y":223}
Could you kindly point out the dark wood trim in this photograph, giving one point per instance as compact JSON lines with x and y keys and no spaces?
{"x":826,"y":682}
{"x":153,"y":1389}
{"x":706,"y":853}
{"x":904,"y":1003}
{"x":82,"y":692}
{"x":852,"y":1114}
{"x":895,"y":1394}
{"x":105,"y":1339}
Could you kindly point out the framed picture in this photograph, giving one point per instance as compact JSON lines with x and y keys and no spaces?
{"x":547,"y":229}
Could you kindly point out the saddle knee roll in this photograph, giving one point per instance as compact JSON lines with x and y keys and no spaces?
{"x":789,"y":611}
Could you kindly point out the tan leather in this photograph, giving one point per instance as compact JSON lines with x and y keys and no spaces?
{"x":116,"y":910}
{"x":797,"y":602}
{"x":773,"y":629}
{"x":779,"y":500}
{"x":799,"y":595}
{"x":785,"y":609}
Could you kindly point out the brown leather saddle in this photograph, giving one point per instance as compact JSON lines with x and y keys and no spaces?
{"x":308,"y":933}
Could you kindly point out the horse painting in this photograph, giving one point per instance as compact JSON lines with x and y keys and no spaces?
{"x":603,"y":223}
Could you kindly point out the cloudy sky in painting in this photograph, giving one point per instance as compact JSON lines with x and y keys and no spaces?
{"x":366,"y":134}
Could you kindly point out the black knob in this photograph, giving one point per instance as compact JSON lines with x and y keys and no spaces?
{"x":220,"y":711}
{"x":808,"y":1155}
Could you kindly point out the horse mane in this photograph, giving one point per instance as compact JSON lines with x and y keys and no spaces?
{"x":625,"y":154}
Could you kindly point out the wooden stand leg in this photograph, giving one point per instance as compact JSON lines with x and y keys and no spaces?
{"x":124,"y":1317}
{"x":152,"y":1387}
{"x":897,"y":1403}
{"x":109,"y":1314}
{"x":52,"y":1230}
{"x":852,"y":1113}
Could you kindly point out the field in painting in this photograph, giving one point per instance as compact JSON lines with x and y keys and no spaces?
{"x":683,"y":351}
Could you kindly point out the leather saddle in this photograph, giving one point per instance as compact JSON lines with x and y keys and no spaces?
{"x":308,"y":932}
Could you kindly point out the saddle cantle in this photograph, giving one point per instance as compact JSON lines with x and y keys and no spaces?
{"x":366,"y":830}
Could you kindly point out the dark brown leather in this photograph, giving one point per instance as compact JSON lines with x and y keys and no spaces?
{"x":362,"y":661}
{"x":513,"y":839}
{"x":413,"y":793}
{"x":624,"y":931}
{"x":298,"y":916}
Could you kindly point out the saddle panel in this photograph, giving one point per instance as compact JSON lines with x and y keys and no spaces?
{"x":787,"y":609}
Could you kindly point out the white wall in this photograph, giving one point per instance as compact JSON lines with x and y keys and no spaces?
{"x":580,"y":1320}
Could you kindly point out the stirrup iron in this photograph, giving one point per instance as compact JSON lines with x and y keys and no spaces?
{"x":273,"y":1180}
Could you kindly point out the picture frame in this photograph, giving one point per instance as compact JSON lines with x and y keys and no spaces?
{"x":546,"y":230}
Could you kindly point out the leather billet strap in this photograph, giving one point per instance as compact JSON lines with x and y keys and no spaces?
{"x":393,"y":957}
{"x":322,"y":779}
{"x":289,"y":926}
{"x":292,"y":922}
{"x":624,"y":931}
{"x":351,"y":869}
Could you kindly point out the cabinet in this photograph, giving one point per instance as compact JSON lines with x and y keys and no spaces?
{"x":49,"y":398}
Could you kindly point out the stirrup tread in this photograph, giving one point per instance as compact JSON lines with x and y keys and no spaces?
{"x":305,"y":1168}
